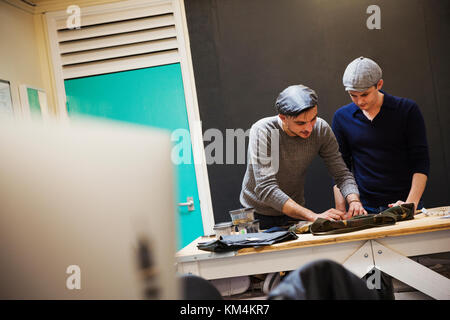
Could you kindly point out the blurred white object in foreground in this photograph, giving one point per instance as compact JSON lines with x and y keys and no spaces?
{"x":75,"y":202}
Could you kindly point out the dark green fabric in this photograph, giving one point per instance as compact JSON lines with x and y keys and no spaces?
{"x":387,"y":217}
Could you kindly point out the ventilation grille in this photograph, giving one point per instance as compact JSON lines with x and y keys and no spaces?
{"x":118,"y":41}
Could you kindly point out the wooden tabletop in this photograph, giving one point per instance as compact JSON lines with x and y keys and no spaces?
{"x":419,"y":224}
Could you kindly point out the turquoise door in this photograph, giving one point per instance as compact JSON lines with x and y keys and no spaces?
{"x":152,"y":97}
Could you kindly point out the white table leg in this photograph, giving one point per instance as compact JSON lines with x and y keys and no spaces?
{"x":361,"y":261}
{"x":189,"y":268}
{"x":410,"y":272}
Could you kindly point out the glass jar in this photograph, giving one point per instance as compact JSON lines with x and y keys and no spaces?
{"x":224,"y":229}
{"x":242,"y":215}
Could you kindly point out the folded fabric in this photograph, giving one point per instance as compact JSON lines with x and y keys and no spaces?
{"x":388,"y":217}
{"x":239,"y":241}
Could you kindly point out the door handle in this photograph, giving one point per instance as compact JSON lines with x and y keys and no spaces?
{"x":189,"y":204}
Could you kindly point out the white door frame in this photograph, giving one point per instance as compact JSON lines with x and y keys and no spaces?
{"x":187,"y":71}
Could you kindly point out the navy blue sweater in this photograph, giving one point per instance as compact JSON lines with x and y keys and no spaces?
{"x":383,"y":154}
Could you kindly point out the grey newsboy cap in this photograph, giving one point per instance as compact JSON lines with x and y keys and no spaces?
{"x":361,"y":74}
{"x":295,"y":99}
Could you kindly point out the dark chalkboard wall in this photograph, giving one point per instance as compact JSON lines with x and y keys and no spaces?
{"x":246,"y":51}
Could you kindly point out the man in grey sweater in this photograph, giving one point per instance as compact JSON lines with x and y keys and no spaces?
{"x":280,"y":150}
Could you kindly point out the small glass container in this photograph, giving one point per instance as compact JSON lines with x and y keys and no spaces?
{"x":253,"y":226}
{"x":241,"y":228}
{"x":224,"y":229}
{"x":242,"y":215}
{"x":248,"y":227}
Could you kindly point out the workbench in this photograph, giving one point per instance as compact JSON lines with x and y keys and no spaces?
{"x":384,"y":248}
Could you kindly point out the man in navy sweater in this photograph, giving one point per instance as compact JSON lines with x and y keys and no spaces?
{"x":382,"y":139}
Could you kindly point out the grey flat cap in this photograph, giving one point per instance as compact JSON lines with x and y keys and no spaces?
{"x":295,"y":99}
{"x":361,"y":74}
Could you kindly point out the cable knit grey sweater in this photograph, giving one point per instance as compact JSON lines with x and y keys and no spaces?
{"x":277,"y":165}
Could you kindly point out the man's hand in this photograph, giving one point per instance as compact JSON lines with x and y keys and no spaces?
{"x":331,"y":214}
{"x":399,"y":202}
{"x":419,"y":181}
{"x":355,"y":208}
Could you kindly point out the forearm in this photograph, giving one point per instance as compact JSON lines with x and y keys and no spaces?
{"x":294,"y":210}
{"x":419,"y":181}
{"x":339,"y":200}
{"x":352,"y":197}
{"x":338,"y":170}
